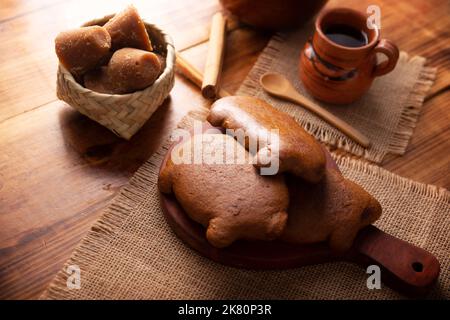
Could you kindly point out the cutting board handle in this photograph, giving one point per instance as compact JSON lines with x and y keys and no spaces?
{"x":404,"y":267}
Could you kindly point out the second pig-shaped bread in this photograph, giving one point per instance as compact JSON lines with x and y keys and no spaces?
{"x":333,"y":210}
{"x":298,"y":152}
{"x":232,"y":200}
{"x":128,"y":70}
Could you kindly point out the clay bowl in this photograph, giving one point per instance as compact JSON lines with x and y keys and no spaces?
{"x":273,"y":14}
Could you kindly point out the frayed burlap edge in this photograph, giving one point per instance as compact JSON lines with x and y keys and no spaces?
{"x":129,"y":196}
{"x":402,"y":133}
{"x":405,"y":184}
{"x":411,"y":110}
{"x":103,"y":230}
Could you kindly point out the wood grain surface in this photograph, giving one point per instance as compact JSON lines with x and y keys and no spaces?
{"x":58,"y":169}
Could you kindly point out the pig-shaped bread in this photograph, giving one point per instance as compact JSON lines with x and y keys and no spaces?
{"x":223,"y":193}
{"x":294,"y":149}
{"x":333,"y":210}
{"x":129,"y":70}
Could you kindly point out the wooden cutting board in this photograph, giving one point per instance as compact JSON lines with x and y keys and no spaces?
{"x":404,"y":267}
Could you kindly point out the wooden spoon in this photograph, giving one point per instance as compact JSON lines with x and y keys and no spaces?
{"x":277,"y":85}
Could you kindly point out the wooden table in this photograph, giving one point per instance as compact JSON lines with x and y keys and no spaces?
{"x":58,"y":169}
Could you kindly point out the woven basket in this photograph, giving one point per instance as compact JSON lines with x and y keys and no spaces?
{"x":123,"y":114}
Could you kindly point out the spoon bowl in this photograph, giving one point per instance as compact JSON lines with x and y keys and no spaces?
{"x":275,"y":83}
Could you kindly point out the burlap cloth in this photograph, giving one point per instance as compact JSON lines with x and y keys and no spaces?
{"x":131,"y":253}
{"x":386,"y":114}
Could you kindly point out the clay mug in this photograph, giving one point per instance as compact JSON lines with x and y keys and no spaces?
{"x":340,"y":62}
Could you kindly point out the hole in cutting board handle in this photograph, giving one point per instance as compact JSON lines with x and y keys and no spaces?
{"x":417,"y":266}
{"x":412,"y":273}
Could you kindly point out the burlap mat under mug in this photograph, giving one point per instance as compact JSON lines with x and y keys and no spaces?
{"x":386,"y":114}
{"x":131,"y":253}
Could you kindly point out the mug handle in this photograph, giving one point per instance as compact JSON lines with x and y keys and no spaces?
{"x":391,"y":51}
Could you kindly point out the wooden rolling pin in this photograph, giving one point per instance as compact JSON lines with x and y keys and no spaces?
{"x":216,"y":48}
{"x":192,"y":73}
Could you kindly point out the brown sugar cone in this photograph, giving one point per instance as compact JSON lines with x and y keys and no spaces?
{"x":128,"y":70}
{"x":298,"y":152}
{"x":127,"y":30}
{"x":132,"y":69}
{"x":80,"y":50}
